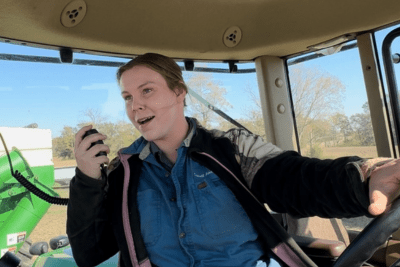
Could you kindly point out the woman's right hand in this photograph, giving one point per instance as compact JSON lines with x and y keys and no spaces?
{"x":86,"y":160}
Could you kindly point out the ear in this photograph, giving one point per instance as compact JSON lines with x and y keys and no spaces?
{"x":180,"y":92}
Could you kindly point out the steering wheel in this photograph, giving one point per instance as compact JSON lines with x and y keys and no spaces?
{"x":374,"y":235}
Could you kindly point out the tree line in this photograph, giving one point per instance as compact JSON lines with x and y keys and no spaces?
{"x":317,"y":99}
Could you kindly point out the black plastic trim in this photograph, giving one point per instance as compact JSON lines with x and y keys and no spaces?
{"x":391,"y":80}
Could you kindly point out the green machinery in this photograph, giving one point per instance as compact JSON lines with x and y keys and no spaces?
{"x":20,"y":210}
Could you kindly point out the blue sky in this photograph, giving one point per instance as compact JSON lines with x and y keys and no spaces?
{"x":54,"y":95}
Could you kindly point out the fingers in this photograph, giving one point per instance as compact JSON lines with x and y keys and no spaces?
{"x":102,"y":160}
{"x":93,"y":138}
{"x":93,"y":151}
{"x":82,"y":145}
{"x":80,"y":133}
{"x":85,"y":153}
{"x":86,"y":149}
{"x":384,"y":186}
{"x":379,"y":203}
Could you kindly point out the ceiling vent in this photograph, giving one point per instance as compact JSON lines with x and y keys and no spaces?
{"x":73,"y":13}
{"x":232,"y":36}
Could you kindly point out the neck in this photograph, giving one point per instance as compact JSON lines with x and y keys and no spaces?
{"x":171,"y":145}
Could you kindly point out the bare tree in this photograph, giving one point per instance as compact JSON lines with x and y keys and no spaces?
{"x":94,"y":116}
{"x":253,"y":113}
{"x":342,"y":127}
{"x":362,"y":125}
{"x":211,"y":90}
{"x":316,"y":95}
{"x":314,"y":134}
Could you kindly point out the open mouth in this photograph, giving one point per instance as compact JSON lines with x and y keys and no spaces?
{"x":145,"y":120}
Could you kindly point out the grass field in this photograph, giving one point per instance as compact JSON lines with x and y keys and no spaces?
{"x":60,"y":163}
{"x":336,"y":152}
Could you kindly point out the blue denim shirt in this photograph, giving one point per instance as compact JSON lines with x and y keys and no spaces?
{"x":189,"y":217}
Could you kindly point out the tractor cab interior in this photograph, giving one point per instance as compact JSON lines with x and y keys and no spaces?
{"x":268,"y":39}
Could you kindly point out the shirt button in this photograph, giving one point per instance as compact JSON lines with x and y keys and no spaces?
{"x":166,"y":174}
{"x":182,"y":235}
{"x":173,"y":199}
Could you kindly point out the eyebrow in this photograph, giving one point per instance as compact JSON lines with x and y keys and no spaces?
{"x":140,"y":86}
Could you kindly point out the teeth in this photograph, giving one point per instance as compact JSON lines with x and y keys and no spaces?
{"x":141,"y":121}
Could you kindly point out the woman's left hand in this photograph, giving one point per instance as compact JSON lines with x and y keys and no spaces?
{"x":384,"y":184}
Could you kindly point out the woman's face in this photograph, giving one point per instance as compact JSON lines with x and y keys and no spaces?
{"x":150,"y":104}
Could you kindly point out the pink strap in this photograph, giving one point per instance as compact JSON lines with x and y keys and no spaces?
{"x":283,"y":251}
{"x":286,"y":254}
{"x":125,"y":216}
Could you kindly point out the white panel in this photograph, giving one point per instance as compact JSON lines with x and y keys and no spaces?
{"x":35,"y":158}
{"x":35,"y":144}
{"x":26,"y":138}
{"x":64,"y":173}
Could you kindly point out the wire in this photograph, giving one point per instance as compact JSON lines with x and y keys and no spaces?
{"x":39,"y":193}
{"x":8,"y":154}
{"x":31,"y":187}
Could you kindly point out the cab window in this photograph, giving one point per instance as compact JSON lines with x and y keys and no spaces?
{"x":330,"y":105}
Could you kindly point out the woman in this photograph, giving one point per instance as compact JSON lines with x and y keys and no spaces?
{"x":182,"y":195}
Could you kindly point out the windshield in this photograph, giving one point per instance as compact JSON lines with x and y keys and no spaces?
{"x":61,"y":98}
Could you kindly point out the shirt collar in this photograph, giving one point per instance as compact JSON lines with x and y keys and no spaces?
{"x":144,"y":148}
{"x":191,"y":131}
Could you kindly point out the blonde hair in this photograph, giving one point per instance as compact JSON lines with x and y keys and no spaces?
{"x":165,"y":66}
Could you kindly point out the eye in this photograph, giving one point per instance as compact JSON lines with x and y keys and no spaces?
{"x":147,"y":90}
{"x":127,"y":97}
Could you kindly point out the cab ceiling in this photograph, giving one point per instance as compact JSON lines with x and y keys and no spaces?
{"x":194,"y":29}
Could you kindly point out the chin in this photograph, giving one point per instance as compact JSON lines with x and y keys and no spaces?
{"x":148,"y":137}
{"x":151,"y":137}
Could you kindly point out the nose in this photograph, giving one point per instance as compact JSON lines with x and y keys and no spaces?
{"x":137,"y":105}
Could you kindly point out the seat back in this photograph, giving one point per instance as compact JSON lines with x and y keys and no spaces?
{"x":331,"y":229}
